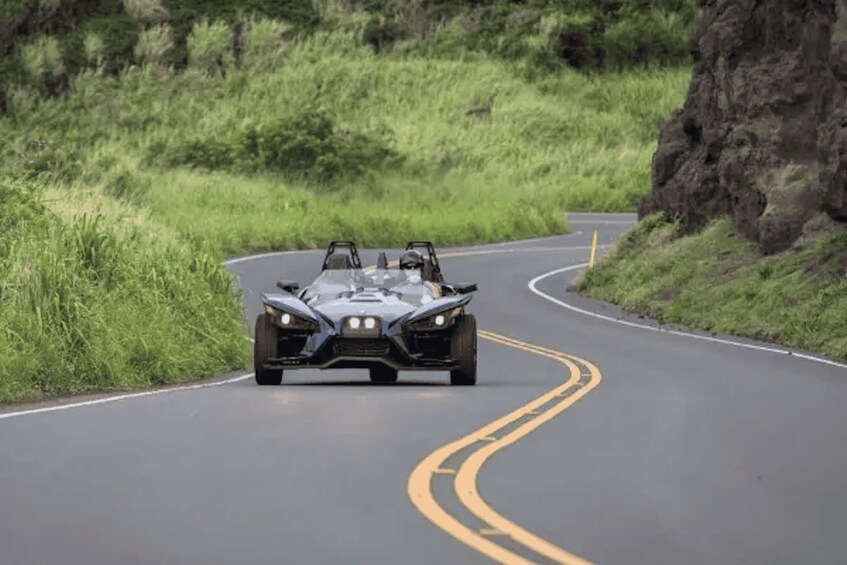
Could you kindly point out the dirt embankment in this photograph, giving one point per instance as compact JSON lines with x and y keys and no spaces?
{"x":763,"y":134}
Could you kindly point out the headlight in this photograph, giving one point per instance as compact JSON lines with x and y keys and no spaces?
{"x":289,"y":321}
{"x":360,"y":326}
{"x":440,"y":321}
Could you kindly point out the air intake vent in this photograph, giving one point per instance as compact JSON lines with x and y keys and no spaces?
{"x":362,"y":347}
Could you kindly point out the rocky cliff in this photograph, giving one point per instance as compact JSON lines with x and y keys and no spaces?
{"x":763,"y":134}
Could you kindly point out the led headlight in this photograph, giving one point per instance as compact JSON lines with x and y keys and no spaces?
{"x":440,"y":321}
{"x":289,"y":321}
{"x":355,"y":326}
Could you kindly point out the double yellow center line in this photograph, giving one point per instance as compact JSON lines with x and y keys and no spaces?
{"x":480,"y":445}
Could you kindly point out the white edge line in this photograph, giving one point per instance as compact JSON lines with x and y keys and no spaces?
{"x":108,"y":399}
{"x":532,"y":286}
{"x":269,"y":254}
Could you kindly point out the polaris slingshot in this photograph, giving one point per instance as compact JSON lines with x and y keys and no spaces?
{"x":378,"y":318}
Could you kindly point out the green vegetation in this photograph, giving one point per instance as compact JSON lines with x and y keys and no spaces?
{"x":343,"y":141}
{"x":89,"y":302}
{"x":143,"y":140}
{"x":716,"y":282}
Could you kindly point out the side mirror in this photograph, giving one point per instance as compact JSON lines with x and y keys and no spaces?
{"x":464,"y":288}
{"x":288,"y":286}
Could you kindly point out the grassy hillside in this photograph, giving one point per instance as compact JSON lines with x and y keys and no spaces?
{"x":94,"y":298}
{"x":110,"y":34}
{"x":134,"y":169}
{"x":342,"y":142}
{"x":720,"y":283}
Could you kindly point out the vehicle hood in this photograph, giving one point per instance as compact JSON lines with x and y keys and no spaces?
{"x":387,"y":308}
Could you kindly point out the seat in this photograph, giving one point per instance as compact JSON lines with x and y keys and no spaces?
{"x":429,"y":272}
{"x":339,"y":262}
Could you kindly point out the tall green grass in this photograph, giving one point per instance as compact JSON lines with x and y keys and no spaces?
{"x":93,"y":303}
{"x":475,"y":151}
{"x":718,"y":282}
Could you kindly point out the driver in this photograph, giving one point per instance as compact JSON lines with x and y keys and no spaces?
{"x":413,"y":262}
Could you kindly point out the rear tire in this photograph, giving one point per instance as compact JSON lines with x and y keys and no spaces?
{"x":264,"y":348}
{"x":383,"y":374}
{"x":463,"y":350}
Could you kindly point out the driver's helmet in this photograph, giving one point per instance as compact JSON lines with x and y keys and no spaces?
{"x":411,"y":259}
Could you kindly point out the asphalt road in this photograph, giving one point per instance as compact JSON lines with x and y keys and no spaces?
{"x":652,"y":448}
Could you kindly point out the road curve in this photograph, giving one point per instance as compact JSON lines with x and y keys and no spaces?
{"x":690,"y":451}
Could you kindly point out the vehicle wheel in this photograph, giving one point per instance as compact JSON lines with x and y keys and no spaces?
{"x":463,"y":350}
{"x":264,"y":348}
{"x":383,"y":374}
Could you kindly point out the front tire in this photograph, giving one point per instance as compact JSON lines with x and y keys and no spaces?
{"x":463,"y":350}
{"x":383,"y":374}
{"x":264,"y":348}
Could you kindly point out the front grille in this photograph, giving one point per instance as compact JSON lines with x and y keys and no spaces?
{"x":362,"y":347}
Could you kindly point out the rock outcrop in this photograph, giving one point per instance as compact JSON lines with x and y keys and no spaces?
{"x":763,"y":134}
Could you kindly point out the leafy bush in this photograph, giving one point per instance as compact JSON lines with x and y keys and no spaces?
{"x":154,"y":44}
{"x":585,"y":34}
{"x":263,"y":43}
{"x":146,"y":11}
{"x":42,"y":60}
{"x":95,"y":49}
{"x":381,"y":33}
{"x":306,"y":146}
{"x":579,"y":42}
{"x":210,"y":47}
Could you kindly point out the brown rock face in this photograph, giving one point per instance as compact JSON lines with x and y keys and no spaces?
{"x":763,"y":134}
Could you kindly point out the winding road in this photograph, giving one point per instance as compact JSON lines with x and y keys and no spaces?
{"x":592,"y":437}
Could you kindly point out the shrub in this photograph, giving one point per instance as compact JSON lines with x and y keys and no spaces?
{"x":146,"y":11}
{"x":42,"y":60}
{"x":263,"y":43}
{"x":579,"y":42}
{"x":154,"y":44}
{"x":306,"y":146}
{"x":95,"y":49}
{"x":381,"y":33}
{"x":209,"y":154}
{"x":210,"y":47}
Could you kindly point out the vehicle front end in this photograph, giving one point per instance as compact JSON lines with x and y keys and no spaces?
{"x":360,"y":340}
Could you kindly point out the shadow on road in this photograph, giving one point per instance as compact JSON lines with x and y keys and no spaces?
{"x":368,"y":384}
